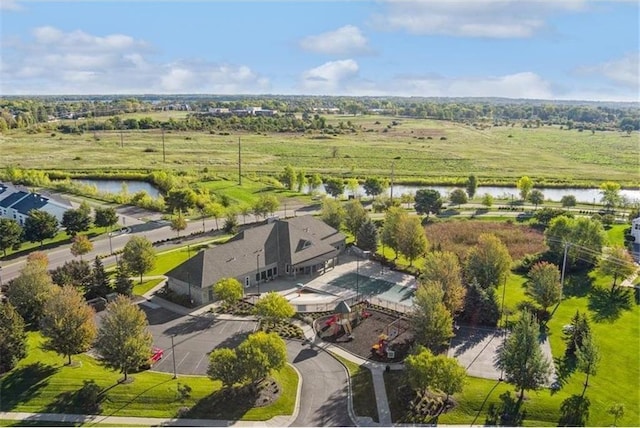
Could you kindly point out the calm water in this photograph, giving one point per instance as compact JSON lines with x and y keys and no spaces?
{"x":552,"y":194}
{"x":115,"y":186}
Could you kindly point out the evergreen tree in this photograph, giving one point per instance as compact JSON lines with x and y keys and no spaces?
{"x":576,"y":333}
{"x":521,"y":357}
{"x":100,"y":285}
{"x":367,"y":237}
{"x":588,"y":356}
{"x":123,"y":284}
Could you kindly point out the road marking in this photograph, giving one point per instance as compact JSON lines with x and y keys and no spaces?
{"x":195,"y":370}
{"x":183,"y":358}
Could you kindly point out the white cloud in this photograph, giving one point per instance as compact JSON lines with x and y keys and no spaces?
{"x":623,"y":71}
{"x":330,"y":78}
{"x":347,"y":40}
{"x":58,"y":62}
{"x":466,"y":18}
{"x":12,"y":5}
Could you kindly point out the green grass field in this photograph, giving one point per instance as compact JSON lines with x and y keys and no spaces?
{"x":364,"y":399}
{"x":496,"y":155}
{"x":42,"y":383}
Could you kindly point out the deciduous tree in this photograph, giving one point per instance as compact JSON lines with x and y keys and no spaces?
{"x":30,"y":290}
{"x":178,"y":224}
{"x":412,"y":241}
{"x":524,"y":184}
{"x":427,"y":201}
{"x":353,"y":186}
{"x":229,"y":290}
{"x":315,"y":183}
{"x":432,"y":321}
{"x":40,"y":225}
{"x":105,"y":217}
{"x":73,"y":272}
{"x":124,"y":341}
{"x":76,"y":221}
{"x":180,"y":200}
{"x":260,"y":354}
{"x":139,"y":255}
{"x":355,"y":216}
{"x":288,"y":177}
{"x":616,"y":262}
{"x":80,"y":245}
{"x":444,"y":268}
{"x":536,"y":197}
{"x":13,"y":338}
{"x":274,"y":307}
{"x":584,"y":236}
{"x":332,"y":213}
{"x":521,"y":357}
{"x":458,"y":197}
{"x":487,"y":200}
{"x":391,"y":228}
{"x":488,"y":262}
{"x":610,"y":192}
{"x":544,"y":284}
{"x":568,"y":201}
{"x":374,"y":186}
{"x":67,"y":322}
{"x":334,"y":186}
{"x":224,"y":366}
{"x":10,"y":235}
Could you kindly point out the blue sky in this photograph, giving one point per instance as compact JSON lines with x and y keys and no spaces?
{"x":544,"y":49}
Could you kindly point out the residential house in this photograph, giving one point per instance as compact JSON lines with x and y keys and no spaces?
{"x":16,"y":202}
{"x":298,"y":246}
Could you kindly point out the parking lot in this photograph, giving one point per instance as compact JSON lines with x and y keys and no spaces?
{"x":193,"y":337}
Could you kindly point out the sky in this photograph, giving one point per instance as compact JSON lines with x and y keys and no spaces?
{"x":535,"y":49}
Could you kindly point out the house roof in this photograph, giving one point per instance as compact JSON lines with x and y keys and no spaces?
{"x":281,"y":240}
{"x":33,"y":201}
{"x":12,"y":199}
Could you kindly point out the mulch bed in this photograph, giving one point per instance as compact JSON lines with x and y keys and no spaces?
{"x":366,"y":333}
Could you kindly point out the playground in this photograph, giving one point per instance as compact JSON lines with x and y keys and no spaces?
{"x":368,"y":333}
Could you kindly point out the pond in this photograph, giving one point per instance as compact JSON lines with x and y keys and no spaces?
{"x":115,"y":186}
{"x":591,"y":195}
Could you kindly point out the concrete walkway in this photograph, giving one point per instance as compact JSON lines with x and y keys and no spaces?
{"x":278,"y":421}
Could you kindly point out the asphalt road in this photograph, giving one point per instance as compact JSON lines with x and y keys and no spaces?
{"x":323,"y":398}
{"x":155,"y":230}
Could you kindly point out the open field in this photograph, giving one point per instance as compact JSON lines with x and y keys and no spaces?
{"x":495,"y":155}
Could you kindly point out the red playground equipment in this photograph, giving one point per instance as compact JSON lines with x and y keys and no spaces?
{"x":381,"y":346}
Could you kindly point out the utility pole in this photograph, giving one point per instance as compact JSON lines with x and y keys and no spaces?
{"x":239,"y":164}
{"x":121,"y":139}
{"x":392,"y":174}
{"x":564,"y":265}
{"x":173,"y":354}
{"x":164,"y":159}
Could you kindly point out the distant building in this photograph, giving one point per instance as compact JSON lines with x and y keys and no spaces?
{"x":298,"y":246}
{"x":17,"y":201}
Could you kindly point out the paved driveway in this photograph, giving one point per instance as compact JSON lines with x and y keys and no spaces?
{"x":323,"y":399}
{"x":193,"y":338}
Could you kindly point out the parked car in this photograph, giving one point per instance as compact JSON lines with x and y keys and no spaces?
{"x":156,"y":355}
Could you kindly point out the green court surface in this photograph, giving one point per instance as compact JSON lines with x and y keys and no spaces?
{"x":367,"y":286}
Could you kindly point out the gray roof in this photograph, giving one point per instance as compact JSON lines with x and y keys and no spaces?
{"x":281,"y":240}
{"x":32,"y":202}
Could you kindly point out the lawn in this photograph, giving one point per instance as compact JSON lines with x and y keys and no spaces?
{"x":140,"y":289}
{"x":498,"y":155}
{"x":61,"y":238}
{"x":43,"y":383}
{"x":364,"y":398}
{"x":615,"y":325}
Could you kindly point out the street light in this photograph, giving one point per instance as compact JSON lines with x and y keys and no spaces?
{"x":110,"y":246}
{"x":189,"y":282}
{"x":173,"y":354}
{"x":366,"y":254}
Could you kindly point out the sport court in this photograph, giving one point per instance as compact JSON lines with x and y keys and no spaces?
{"x":368,"y":287}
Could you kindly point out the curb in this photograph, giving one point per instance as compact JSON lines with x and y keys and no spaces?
{"x":296,"y":409}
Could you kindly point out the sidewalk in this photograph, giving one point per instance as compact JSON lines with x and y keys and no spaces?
{"x":377,"y":374}
{"x":277,"y":421}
